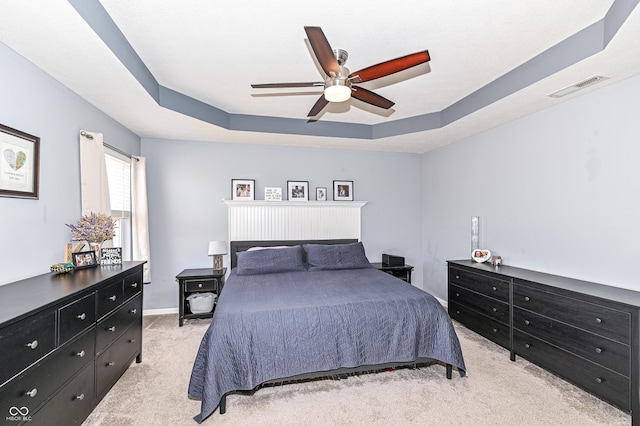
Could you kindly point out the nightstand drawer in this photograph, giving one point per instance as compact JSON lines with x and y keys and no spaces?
{"x":588,"y":316}
{"x":593,"y":347}
{"x":488,"y":306}
{"x":210,"y":284}
{"x":485,"y":326}
{"x":484,"y":284}
{"x":606,"y":384}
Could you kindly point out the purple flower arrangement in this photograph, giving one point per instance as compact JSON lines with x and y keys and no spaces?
{"x":94,"y":228}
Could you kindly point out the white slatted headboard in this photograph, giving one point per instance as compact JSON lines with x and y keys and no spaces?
{"x":293,"y":220}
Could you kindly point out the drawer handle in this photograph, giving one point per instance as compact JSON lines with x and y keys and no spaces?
{"x":527,"y":345}
{"x":599,"y":320}
{"x":112,"y":298}
{"x":110,"y":364}
{"x":494,"y":288}
{"x":112,"y":328}
{"x":598,"y":350}
{"x":495,"y":330}
{"x":80,"y":354}
{"x":33,"y":344}
{"x":32,"y":393}
{"x":599,"y":380}
{"x":200,"y":285}
{"x":457,"y":277}
{"x":134,"y":285}
{"x":457,"y":294}
{"x":458,"y":312}
{"x":494,"y":309}
{"x":133,"y":311}
{"x":82,"y":316}
{"x":132,"y":340}
{"x":79,"y":397}
{"x":526,"y":298}
{"x":527,"y":322}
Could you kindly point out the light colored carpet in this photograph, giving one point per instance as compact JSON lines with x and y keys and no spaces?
{"x":496,"y":392}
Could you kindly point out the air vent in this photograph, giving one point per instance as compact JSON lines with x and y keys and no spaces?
{"x":578,"y":86}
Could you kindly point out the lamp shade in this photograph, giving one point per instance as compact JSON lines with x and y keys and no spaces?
{"x":217,"y":247}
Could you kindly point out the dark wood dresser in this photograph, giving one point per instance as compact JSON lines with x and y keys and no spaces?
{"x":584,"y":332}
{"x":66,"y":339}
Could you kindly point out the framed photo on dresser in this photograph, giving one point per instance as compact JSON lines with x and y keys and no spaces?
{"x":342,"y":190}
{"x":298,"y":190}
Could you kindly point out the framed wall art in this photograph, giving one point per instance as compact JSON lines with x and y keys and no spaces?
{"x":243,"y":189}
{"x":321,"y":194}
{"x":84,"y":259}
{"x":343,"y":190}
{"x":20,"y":163}
{"x":297,"y":190}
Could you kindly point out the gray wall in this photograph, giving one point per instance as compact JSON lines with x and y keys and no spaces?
{"x":187,"y":182}
{"x":557,"y":191}
{"x":32,"y":231}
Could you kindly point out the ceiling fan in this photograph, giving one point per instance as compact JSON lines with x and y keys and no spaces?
{"x":339,"y":81}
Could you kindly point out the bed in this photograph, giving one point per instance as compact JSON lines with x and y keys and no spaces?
{"x":309,"y":309}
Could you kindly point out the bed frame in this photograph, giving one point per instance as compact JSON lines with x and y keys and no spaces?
{"x":239,"y":246}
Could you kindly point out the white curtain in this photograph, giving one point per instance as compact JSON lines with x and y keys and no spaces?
{"x":140,"y":215}
{"x":93,"y":175}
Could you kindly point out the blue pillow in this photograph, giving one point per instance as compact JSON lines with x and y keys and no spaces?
{"x":269,"y":261}
{"x":322,"y":257}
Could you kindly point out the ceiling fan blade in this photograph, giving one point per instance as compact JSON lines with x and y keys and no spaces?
{"x":323,"y":51}
{"x":284,"y":85}
{"x":390,"y":67}
{"x":319,"y":106}
{"x":369,"y":97}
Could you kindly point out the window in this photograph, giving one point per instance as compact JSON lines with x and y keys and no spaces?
{"x":119,"y":176}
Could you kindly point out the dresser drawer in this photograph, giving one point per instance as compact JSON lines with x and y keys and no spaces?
{"x":76,"y":317}
{"x":603,"y":351}
{"x":588,"y":316}
{"x":111,"y":327}
{"x":492,"y":308}
{"x":37,"y":384}
{"x":484,"y":284}
{"x":25,"y":342}
{"x":210,"y":284}
{"x":114,"y":361}
{"x":132,"y":285}
{"x":602,"y":382}
{"x":485,"y":326}
{"x":109,"y":298}
{"x":71,"y":405}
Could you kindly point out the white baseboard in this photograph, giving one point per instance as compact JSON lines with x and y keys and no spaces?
{"x":164,"y":311}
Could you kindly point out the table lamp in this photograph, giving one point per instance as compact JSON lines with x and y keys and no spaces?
{"x":217,"y":249}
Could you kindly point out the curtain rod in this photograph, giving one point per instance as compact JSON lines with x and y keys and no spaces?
{"x":113,"y":148}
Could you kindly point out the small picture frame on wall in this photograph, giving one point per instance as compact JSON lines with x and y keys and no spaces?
{"x":243,"y":189}
{"x":343,"y":190}
{"x":298,"y":190}
{"x":321,"y":194}
{"x":84,"y":259}
{"x":20,"y":163}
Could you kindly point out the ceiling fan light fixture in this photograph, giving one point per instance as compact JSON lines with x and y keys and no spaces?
{"x":337,"y":90}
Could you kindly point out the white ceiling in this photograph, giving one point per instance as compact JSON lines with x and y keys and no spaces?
{"x":212,"y":51}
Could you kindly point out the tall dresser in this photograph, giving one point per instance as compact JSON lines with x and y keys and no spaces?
{"x":65,"y":341}
{"x":586,"y":333}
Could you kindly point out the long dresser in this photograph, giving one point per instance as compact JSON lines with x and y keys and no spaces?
{"x":65,"y":340}
{"x":584,"y":332}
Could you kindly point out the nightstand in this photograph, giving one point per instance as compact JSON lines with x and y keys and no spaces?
{"x":402,"y":272}
{"x":203,"y":280}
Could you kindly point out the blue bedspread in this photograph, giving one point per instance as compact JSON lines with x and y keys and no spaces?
{"x":279,"y":325}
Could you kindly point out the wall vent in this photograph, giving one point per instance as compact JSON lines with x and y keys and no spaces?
{"x":578,"y":86}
